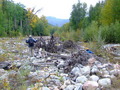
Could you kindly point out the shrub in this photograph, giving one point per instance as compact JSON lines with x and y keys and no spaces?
{"x":91,"y":31}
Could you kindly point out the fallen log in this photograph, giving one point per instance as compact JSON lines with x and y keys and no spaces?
{"x":58,"y":56}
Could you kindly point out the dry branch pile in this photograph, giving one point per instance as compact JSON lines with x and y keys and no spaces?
{"x":76,"y":56}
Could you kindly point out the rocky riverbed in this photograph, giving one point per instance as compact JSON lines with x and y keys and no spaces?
{"x":71,"y":68}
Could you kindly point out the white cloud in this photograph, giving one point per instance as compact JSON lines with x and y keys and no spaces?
{"x":56,"y":8}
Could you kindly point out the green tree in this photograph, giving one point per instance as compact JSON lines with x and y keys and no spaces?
{"x":110,"y":12}
{"x":107,"y":13}
{"x":77,"y":15}
{"x":95,"y":12}
{"x":41,"y":27}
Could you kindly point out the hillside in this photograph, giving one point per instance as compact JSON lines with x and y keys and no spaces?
{"x":56,"y":21}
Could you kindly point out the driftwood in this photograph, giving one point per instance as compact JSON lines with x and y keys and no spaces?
{"x":40,"y":43}
{"x":59,"y":56}
{"x":77,"y":55}
{"x":69,"y":44}
{"x":48,"y":46}
{"x":51,"y":47}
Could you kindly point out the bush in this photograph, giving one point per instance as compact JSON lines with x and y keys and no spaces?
{"x":108,"y":33}
{"x":111,"y":34}
{"x":91,"y":32}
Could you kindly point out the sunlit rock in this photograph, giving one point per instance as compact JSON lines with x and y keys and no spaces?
{"x":90,"y":85}
{"x":105,"y":82}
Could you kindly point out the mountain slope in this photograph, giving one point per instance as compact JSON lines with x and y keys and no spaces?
{"x":56,"y":21}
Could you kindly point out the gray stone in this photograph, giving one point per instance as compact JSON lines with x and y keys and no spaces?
{"x":2,"y":71}
{"x":105,"y":82}
{"x":54,"y":77}
{"x":70,"y":87}
{"x":78,"y":86}
{"x":94,"y":69}
{"x":45,"y":88}
{"x":86,"y":70}
{"x":76,"y":71}
{"x":81,"y":79}
{"x":94,"y":78}
{"x":90,"y":85}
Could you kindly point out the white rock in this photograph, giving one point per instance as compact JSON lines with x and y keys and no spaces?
{"x":115,"y":72}
{"x":56,"y":82}
{"x":54,"y":77}
{"x":112,"y":77}
{"x":32,"y":74}
{"x":78,"y":86}
{"x":91,"y":61}
{"x":32,"y":58}
{"x":2,"y":71}
{"x":67,"y":82}
{"x":90,"y":85}
{"x":86,"y":70}
{"x":97,"y":63}
{"x":81,"y":79}
{"x":29,"y":89}
{"x":94,"y":69}
{"x":61,"y":64}
{"x":70,"y":87}
{"x":94,"y":78}
{"x":106,"y":72}
{"x":105,"y":82}
{"x":76,"y":71}
{"x":106,"y":76}
{"x":45,"y":88}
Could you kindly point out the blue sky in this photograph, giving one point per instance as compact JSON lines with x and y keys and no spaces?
{"x":56,"y":8}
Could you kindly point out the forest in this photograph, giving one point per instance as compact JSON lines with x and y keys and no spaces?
{"x":101,"y":23}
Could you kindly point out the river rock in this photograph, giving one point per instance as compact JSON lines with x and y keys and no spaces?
{"x":94,"y":69}
{"x":105,"y":82}
{"x":69,"y":87}
{"x":94,"y":78}
{"x":86,"y":70}
{"x":90,"y":85}
{"x":78,"y":86}
{"x":45,"y":88}
{"x":76,"y":71}
{"x":2,"y":71}
{"x":81,"y":79}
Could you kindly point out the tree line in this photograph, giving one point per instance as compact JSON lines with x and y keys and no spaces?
{"x":15,"y":20}
{"x":101,"y":23}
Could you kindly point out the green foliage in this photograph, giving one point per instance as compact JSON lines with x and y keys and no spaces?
{"x":111,"y":33}
{"x":110,"y":12}
{"x":78,"y":14}
{"x":91,"y":32}
{"x":69,"y":35}
{"x":41,"y":27}
{"x":95,"y":12}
